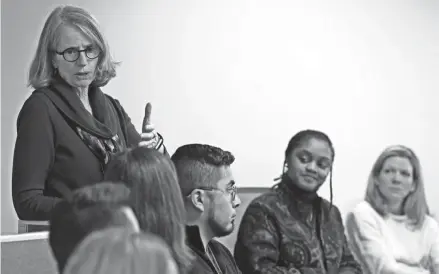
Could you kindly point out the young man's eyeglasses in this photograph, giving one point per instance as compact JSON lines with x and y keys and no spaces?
{"x":232,"y":191}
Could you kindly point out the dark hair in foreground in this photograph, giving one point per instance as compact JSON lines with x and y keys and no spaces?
{"x":155,"y":195}
{"x":90,"y":208}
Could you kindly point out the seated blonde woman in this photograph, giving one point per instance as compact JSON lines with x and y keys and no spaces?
{"x":121,"y":251}
{"x":391,"y":231}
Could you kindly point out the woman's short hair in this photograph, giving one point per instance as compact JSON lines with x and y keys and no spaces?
{"x":117,"y":250}
{"x":155,"y":195}
{"x":41,"y":71}
{"x":415,"y":204}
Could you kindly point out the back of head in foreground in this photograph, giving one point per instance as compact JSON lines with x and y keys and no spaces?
{"x":90,"y":208}
{"x":121,"y":251}
{"x":155,"y":196}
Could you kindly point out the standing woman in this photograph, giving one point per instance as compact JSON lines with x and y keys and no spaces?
{"x":68,"y":128}
{"x":391,"y":232}
{"x":291,"y":229}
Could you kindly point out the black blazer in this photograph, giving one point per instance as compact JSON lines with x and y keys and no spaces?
{"x":50,"y":159}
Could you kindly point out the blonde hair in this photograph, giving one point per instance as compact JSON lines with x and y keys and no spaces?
{"x":120,"y":251}
{"x":415,"y":204}
{"x":41,"y":71}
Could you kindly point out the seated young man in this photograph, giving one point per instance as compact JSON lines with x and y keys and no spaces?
{"x":89,"y":209}
{"x":209,"y":191}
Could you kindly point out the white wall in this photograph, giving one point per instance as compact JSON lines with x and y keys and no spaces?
{"x":247,"y":74}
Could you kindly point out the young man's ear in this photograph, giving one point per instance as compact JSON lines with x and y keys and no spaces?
{"x":197,"y":199}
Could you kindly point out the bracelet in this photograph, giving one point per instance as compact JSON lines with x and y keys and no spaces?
{"x":160,"y":141}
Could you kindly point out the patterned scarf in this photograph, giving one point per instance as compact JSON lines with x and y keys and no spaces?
{"x":102,"y":148}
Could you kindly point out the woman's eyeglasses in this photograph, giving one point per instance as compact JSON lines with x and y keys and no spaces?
{"x":72,"y":54}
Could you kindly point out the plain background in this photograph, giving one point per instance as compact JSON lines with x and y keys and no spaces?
{"x":248,"y":74}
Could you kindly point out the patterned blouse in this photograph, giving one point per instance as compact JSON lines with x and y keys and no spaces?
{"x":289,"y":231}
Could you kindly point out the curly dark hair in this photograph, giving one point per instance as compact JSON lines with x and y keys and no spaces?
{"x":89,"y":208}
{"x":205,"y":154}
